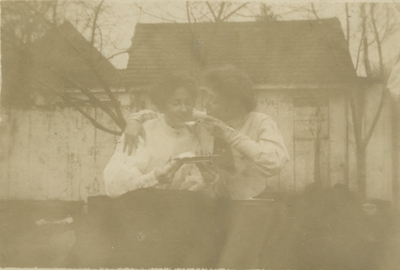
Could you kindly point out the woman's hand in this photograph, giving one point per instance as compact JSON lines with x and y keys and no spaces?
{"x":216,"y":127}
{"x":165,"y":174}
{"x":211,"y":173}
{"x":132,"y":132}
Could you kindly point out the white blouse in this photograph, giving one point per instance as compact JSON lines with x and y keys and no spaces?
{"x":258,"y":151}
{"x":161,"y":142}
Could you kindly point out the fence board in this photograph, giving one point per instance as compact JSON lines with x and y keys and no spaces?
{"x":338,"y":140}
{"x":351,"y":152}
{"x":87,"y":158}
{"x":104,"y":148}
{"x":304,"y":163}
{"x":310,"y":125}
{"x":58,"y":155}
{"x":74,"y":159}
{"x":38,"y":156}
{"x":379,"y":149}
{"x":325,"y":162}
{"x":19,"y":157}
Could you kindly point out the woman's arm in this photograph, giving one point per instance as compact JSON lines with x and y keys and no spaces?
{"x":146,"y":115}
{"x":121,"y":175}
{"x":267,"y":154}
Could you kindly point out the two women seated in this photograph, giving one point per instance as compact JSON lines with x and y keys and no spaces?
{"x":152,"y":163}
{"x":249,"y":145}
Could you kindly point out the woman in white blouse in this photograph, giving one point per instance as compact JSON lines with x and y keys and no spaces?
{"x":152,"y":163}
{"x":250,"y":145}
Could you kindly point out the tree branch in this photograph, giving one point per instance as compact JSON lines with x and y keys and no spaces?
{"x":201,"y":13}
{"x":169,"y":15}
{"x":382,"y":74}
{"x":367,"y":64}
{"x":234,"y":11}
{"x":314,"y":11}
{"x":378,"y":43}
{"x":116,"y":54}
{"x":93,"y":99}
{"x":101,"y":39}
{"x":113,"y":99}
{"x":85,"y":114}
{"x":376,"y":117}
{"x":187,"y":12}
{"x":359,"y":48}
{"x":212,"y":11}
{"x":96,"y":15}
{"x":356,"y":122}
{"x":194,"y":18}
{"x":89,"y":117}
{"x":221,"y":10}
{"x":154,"y":16}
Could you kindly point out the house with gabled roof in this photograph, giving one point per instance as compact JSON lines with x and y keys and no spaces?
{"x":61,"y":60}
{"x":302,"y":72}
{"x":273,"y":53}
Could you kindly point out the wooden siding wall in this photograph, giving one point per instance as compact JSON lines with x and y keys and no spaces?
{"x":300,"y":118}
{"x":58,"y":154}
{"x":54,"y":154}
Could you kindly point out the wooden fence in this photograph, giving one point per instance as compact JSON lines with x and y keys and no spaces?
{"x":58,"y":154}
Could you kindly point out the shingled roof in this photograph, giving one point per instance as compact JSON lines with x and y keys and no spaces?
{"x":276,"y":53}
{"x":64,"y":53}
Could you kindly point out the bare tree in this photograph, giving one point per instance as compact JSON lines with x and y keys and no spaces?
{"x":375,"y":26}
{"x":25,"y":21}
{"x":195,"y":11}
{"x":266,"y":13}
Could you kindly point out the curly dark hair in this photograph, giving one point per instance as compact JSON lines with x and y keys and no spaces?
{"x":231,"y":82}
{"x":168,"y":83}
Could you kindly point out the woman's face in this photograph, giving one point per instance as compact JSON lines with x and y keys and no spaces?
{"x":219,"y":106}
{"x":179,"y":107}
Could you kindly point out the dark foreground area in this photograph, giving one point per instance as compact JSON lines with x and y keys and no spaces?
{"x":320,"y":229}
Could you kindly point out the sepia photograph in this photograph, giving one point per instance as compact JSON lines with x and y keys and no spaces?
{"x":200,"y":134}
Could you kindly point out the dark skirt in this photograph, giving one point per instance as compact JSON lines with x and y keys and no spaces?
{"x":149,"y":228}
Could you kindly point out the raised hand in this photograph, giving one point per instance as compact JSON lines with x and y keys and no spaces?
{"x":132,"y":132}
